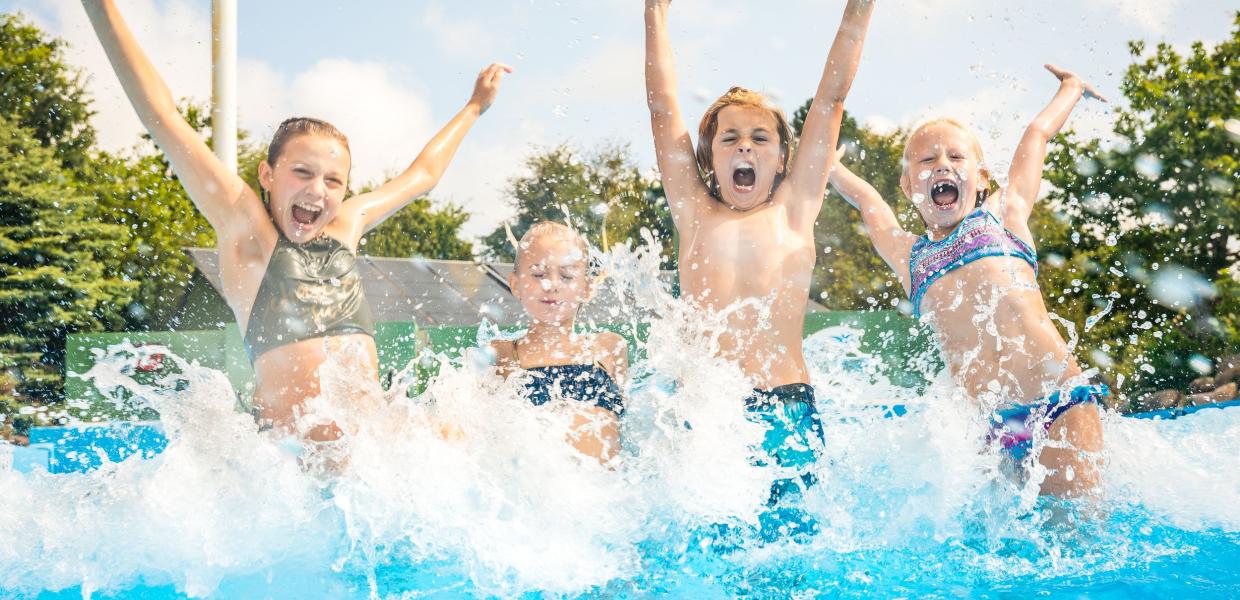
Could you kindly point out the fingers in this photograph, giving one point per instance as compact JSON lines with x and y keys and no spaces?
{"x":494,"y":73}
{"x":1086,"y":89}
{"x":1090,"y":92}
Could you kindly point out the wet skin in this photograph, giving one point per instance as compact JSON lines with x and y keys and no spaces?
{"x":745,"y":248}
{"x":551,"y":283}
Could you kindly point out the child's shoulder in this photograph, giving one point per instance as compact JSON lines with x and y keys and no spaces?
{"x":610,"y":341}
{"x":611,"y":350}
{"x":502,"y":349}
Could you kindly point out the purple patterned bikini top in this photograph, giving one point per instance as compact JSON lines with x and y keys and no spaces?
{"x":979,"y":235}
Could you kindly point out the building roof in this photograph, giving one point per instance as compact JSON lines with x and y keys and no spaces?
{"x":439,"y":293}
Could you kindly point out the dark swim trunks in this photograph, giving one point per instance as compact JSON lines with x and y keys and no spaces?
{"x":793,"y":440}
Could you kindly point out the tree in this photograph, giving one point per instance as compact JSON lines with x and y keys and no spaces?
{"x":41,"y":93}
{"x":849,"y":274}
{"x":53,"y":274}
{"x":139,"y":192}
{"x":602,"y":194}
{"x":422,"y":230}
{"x":1146,"y":226}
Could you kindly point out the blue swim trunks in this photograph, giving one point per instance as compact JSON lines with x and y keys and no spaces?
{"x":1015,"y":427}
{"x":793,"y":439}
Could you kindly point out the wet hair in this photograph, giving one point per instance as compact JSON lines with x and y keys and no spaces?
{"x":297,"y":126}
{"x":991,"y":185}
{"x":745,"y":98}
{"x":594,"y":269}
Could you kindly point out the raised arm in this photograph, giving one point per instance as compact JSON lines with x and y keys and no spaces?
{"x":223,"y":197}
{"x":672,"y":145}
{"x":1025,"y":176}
{"x":808,"y":173}
{"x":367,"y":211}
{"x":891,"y":241}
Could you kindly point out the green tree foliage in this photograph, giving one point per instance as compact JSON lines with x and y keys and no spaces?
{"x":849,"y":274}
{"x":1146,"y":223}
{"x":139,"y":192}
{"x":603,"y":194}
{"x":41,"y":93}
{"x":53,"y":274}
{"x":423,"y":230}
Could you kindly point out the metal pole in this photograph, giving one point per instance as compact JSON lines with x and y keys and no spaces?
{"x":224,"y":81}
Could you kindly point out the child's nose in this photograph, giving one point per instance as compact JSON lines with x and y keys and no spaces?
{"x":318,"y":186}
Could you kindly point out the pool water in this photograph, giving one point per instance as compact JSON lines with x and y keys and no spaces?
{"x":909,"y":502}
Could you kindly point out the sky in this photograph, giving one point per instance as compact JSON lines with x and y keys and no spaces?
{"x":389,"y":74}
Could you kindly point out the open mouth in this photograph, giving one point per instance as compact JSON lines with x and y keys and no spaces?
{"x":306,"y":215}
{"x":743,"y":179}
{"x":944,"y":193}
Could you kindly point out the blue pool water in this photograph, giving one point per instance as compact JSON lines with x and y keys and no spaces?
{"x":223,"y":512}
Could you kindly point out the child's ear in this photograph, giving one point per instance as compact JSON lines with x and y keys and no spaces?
{"x":265,"y":175}
{"x":906,"y":185}
{"x":512,"y":283}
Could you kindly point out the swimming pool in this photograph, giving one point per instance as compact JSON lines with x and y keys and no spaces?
{"x":907,"y":506}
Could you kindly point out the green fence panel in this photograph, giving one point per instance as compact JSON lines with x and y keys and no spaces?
{"x":206,"y":347}
{"x":905,"y":348}
{"x":220,"y":349}
{"x":896,"y":339}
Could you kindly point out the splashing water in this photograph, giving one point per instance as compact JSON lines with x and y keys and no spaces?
{"x":468,"y":489}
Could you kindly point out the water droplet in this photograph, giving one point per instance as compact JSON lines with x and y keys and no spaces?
{"x":1179,"y":287}
{"x":1201,"y":364}
{"x":1086,"y":166}
{"x":1148,"y":166}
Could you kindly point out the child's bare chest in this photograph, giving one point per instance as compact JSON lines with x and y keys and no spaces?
{"x":750,"y":256}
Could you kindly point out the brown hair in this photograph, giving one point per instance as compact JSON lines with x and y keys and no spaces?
{"x":296,"y":126}
{"x":738,"y":96}
{"x":991,"y":185}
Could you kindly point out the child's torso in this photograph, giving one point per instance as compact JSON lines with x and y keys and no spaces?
{"x":992,"y":322}
{"x":755,"y":257}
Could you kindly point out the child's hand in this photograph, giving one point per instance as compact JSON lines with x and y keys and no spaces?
{"x":1073,"y":78}
{"x":663,"y":4}
{"x":487,"y":86}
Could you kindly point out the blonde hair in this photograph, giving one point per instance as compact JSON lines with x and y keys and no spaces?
{"x":549,"y":228}
{"x":991,"y":185}
{"x":745,"y":98}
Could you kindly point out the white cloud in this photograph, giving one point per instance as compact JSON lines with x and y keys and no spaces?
{"x":176,"y":35}
{"x":455,"y":37}
{"x":1153,"y":15}
{"x":387,"y":123}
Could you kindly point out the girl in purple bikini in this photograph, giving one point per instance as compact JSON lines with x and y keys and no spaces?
{"x":973,"y":277}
